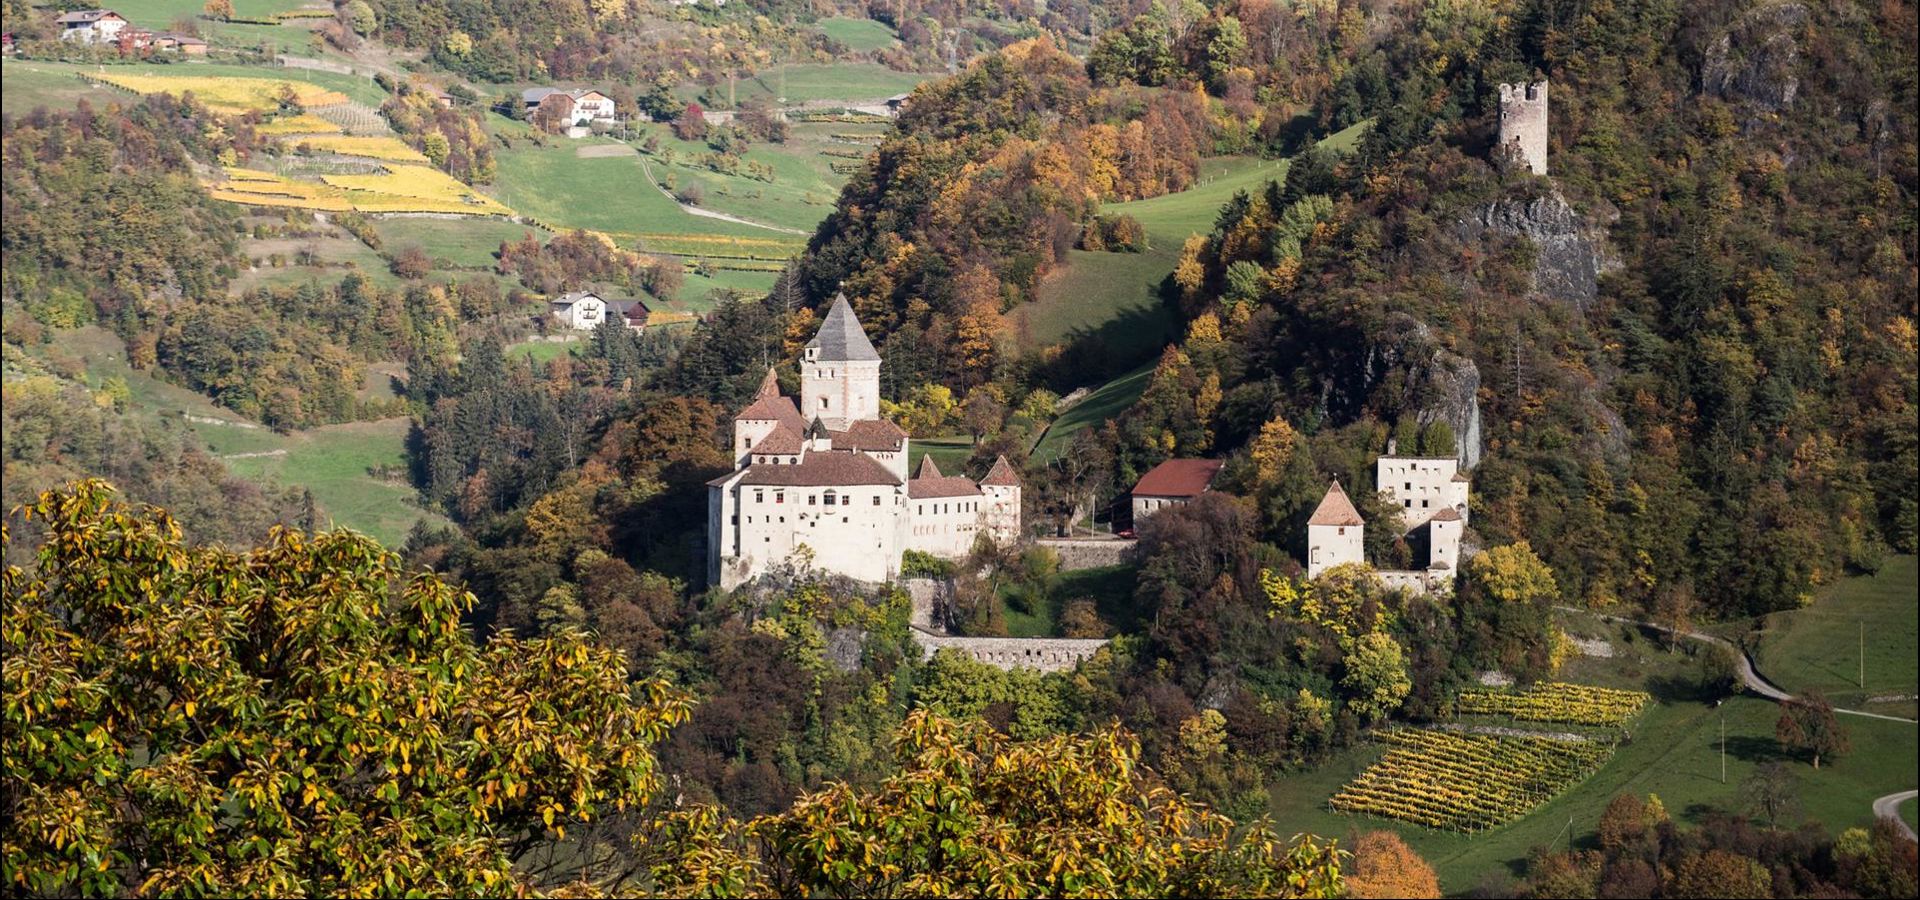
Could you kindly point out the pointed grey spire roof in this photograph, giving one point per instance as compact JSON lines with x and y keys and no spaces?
{"x":841,"y":339}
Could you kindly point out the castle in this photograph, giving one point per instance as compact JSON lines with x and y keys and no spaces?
{"x":826,"y":480}
{"x":1523,"y":123}
{"x":1431,"y":492}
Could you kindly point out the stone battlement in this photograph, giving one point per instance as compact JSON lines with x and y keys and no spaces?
{"x":1523,"y":123}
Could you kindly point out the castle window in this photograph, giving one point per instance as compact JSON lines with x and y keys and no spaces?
{"x":1409,"y":485}
{"x":876,"y":499}
{"x":1343,"y":529}
{"x":1409,"y":504}
{"x":759,"y":497}
{"x":823,"y":403}
{"x":810,"y":499}
{"x":1423,"y":504}
{"x":832,"y":498}
{"x":779,"y":496}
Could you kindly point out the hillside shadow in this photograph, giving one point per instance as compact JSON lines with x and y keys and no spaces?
{"x":1122,"y":343}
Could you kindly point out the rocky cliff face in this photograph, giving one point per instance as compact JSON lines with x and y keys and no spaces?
{"x":1570,"y":252}
{"x":1755,"y":60}
{"x":1438,"y":384}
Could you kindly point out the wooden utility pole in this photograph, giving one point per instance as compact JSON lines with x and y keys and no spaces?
{"x":1723,"y":746}
{"x":1863,"y":654}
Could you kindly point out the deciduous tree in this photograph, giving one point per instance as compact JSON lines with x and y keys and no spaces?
{"x":307,"y":720}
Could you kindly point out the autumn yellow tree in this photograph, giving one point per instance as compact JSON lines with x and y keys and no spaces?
{"x":302,"y":718}
{"x":1384,"y":867}
{"x":1514,"y":574}
{"x":974,"y":813}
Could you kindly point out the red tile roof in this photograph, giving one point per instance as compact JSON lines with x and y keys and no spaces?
{"x":870,"y":434}
{"x":1336,"y":509}
{"x":924,"y":488}
{"x":1002,"y":474}
{"x":769,"y":406}
{"x":1178,"y":478}
{"x":1460,"y":476}
{"x":1447,"y":515}
{"x":928,"y":468}
{"x":823,"y":468}
{"x":782,"y":439}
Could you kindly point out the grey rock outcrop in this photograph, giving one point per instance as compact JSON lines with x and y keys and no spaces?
{"x":1569,"y":253}
{"x":1441,"y":385}
{"x":1755,"y":59}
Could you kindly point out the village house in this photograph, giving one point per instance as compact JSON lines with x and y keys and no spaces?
{"x":91,"y":26}
{"x":184,"y":44}
{"x":1172,"y":483}
{"x":830,"y":487}
{"x":578,"y":108}
{"x":579,"y":310}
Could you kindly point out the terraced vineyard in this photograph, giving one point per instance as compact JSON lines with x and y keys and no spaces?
{"x":399,"y":189}
{"x":1467,"y":782}
{"x":222,"y":93}
{"x":1572,"y":704}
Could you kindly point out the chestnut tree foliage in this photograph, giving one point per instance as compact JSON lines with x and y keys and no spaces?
{"x":305,"y":718}
{"x":975,"y":813}
{"x":300,"y":718}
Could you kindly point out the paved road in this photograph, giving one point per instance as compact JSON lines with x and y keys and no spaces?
{"x":1888,"y":807}
{"x":1749,"y":676}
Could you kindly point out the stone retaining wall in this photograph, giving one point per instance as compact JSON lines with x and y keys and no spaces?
{"x":1090,"y":554}
{"x":1045,"y":654}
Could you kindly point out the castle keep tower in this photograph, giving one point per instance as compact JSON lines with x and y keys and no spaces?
{"x":840,"y":371}
{"x":1523,"y":123}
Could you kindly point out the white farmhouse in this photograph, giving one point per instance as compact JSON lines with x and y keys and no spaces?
{"x":90,"y":26}
{"x":830,"y":487}
{"x":579,"y":107}
{"x":579,"y":310}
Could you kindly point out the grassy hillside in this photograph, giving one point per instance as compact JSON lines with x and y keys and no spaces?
{"x":1819,"y":647}
{"x":25,"y":85}
{"x":808,"y":82}
{"x":1104,"y":403}
{"x":1674,"y":752}
{"x":557,"y":186}
{"x":460,"y":243}
{"x":1116,"y":295}
{"x":333,"y":461}
{"x":860,"y":35}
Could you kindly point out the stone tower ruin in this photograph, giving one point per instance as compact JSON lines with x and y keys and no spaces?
{"x":1523,"y":123}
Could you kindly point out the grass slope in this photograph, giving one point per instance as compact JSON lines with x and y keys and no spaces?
{"x":557,"y":187}
{"x":860,"y":35}
{"x":810,"y":82}
{"x":1818,"y":648}
{"x":1115,"y":296}
{"x":333,"y":462}
{"x":459,"y":243}
{"x":1104,"y":403}
{"x":25,"y":85}
{"x":330,"y":461}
